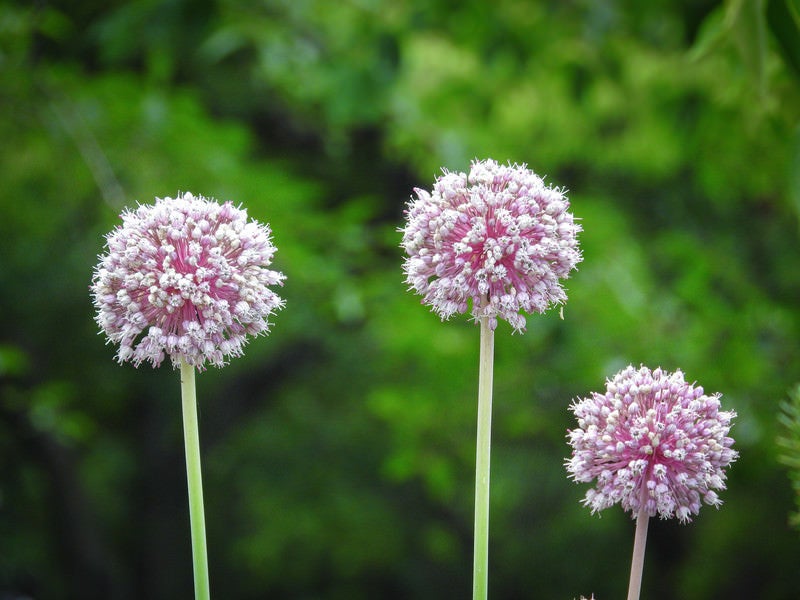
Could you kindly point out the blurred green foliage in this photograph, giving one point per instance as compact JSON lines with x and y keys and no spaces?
{"x":789,"y":442}
{"x":339,"y":452}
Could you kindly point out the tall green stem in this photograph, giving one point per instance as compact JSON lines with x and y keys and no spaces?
{"x":480,"y":573}
{"x":194,"y":479}
{"x":639,"y":540}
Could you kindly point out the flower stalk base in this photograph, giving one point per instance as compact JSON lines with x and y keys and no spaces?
{"x":195,"y":482}
{"x":637,"y":561}
{"x":480,"y":579}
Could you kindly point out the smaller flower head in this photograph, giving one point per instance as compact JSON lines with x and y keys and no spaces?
{"x":651,"y":438}
{"x":497,"y":238}
{"x":185,"y":277}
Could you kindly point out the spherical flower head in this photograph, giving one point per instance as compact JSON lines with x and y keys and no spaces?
{"x":497,"y":238}
{"x":651,"y":438}
{"x":187,"y":278}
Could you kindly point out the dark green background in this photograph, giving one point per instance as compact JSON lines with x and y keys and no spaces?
{"x":339,"y":452}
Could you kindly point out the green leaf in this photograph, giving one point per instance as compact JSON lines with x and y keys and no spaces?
{"x":711,"y":35}
{"x":749,"y":30}
{"x":783,"y":17}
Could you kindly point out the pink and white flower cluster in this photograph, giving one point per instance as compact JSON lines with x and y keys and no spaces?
{"x":188,"y":278}
{"x":652,"y":438}
{"x":498,"y":238}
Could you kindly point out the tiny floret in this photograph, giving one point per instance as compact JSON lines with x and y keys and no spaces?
{"x":497,"y":238}
{"x":187,"y":278}
{"x":653,"y":438}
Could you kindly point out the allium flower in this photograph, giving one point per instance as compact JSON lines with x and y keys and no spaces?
{"x":651,"y":436}
{"x":185,"y":277}
{"x":498,"y":237}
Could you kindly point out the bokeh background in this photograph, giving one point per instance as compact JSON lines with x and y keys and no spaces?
{"x":339,"y":452}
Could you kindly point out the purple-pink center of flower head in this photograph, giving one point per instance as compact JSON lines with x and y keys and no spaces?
{"x":187,"y":278}
{"x":497,"y":238}
{"x":652,"y":438}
